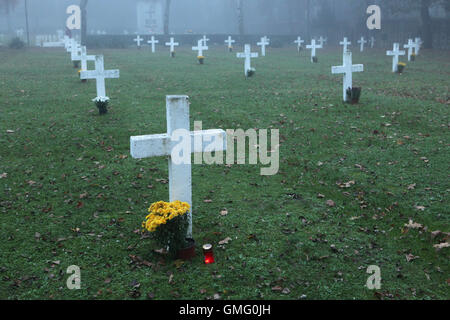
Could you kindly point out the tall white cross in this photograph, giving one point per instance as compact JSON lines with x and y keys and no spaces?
{"x":395,"y":53}
{"x":372,"y":41}
{"x":322,"y":41}
{"x":263,"y":43}
{"x":347,"y":69}
{"x":153,"y":42}
{"x":345,"y":43}
{"x":85,"y":58}
{"x":205,"y":41}
{"x":138,"y":40}
{"x":418,"y":43}
{"x":248,"y":55}
{"x":361,"y":42}
{"x":313,"y":46}
{"x":100,"y":74}
{"x":172,"y":44}
{"x":230,"y":42}
{"x":167,"y":144}
{"x":410,"y":46}
{"x":200,"y":47}
{"x":299,"y":42}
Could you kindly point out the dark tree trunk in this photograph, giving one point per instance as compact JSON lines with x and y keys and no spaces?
{"x":83,"y":6}
{"x":167,"y":17}
{"x":427,"y":33}
{"x":240,"y":14}
{"x":308,"y":19}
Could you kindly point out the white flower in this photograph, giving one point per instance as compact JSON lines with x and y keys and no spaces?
{"x":100,"y":99}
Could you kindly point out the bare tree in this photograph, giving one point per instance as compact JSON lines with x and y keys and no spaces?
{"x":240,"y":16}
{"x":83,"y":5}
{"x":167,"y":17}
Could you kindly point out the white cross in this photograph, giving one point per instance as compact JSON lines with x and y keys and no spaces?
{"x":205,"y":41}
{"x":418,"y":43}
{"x":410,"y":46}
{"x":347,"y":69}
{"x":100,"y":74}
{"x":248,"y":55}
{"x":395,"y":53}
{"x":345,"y":43}
{"x":230,"y":42}
{"x":299,"y":42}
{"x":322,"y":40}
{"x":138,"y":40}
{"x":361,"y":42}
{"x":75,"y":51}
{"x":153,"y":42}
{"x":70,"y":43}
{"x":313,"y":46}
{"x":200,"y":47}
{"x":180,"y":172}
{"x":85,"y":58}
{"x":263,"y":43}
{"x":372,"y":41}
{"x":172,"y":44}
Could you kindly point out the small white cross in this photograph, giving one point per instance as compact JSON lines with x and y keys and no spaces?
{"x":75,"y":51}
{"x":100,"y":74}
{"x":347,"y":69}
{"x":313,"y":46}
{"x":396,"y":52}
{"x":263,"y":43}
{"x":138,"y":40}
{"x":418,"y":44}
{"x":172,"y":44}
{"x":205,"y":41}
{"x":361,"y":42}
{"x":372,"y":41}
{"x":85,"y":58}
{"x":322,"y":40}
{"x":153,"y":42}
{"x":200,"y":47}
{"x":410,"y":46}
{"x":180,"y":172}
{"x":345,"y":43}
{"x":299,"y":42}
{"x":248,"y":55}
{"x":230,"y":42}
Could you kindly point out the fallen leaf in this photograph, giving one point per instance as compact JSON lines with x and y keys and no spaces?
{"x":441,"y":245}
{"x":413,"y":225}
{"x":330,"y":203}
{"x":225,"y":241}
{"x":3,"y":175}
{"x":224,"y":212}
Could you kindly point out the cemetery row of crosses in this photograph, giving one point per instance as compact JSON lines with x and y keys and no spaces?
{"x":178,"y":106}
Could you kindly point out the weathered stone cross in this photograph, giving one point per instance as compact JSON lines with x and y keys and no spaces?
{"x":345,"y":43}
{"x":361,"y":42}
{"x":410,"y":47}
{"x":200,"y":47}
{"x":347,"y":69}
{"x":138,"y":40}
{"x":313,"y":46}
{"x":100,"y":74}
{"x":299,"y":42}
{"x":263,"y":43}
{"x":396,"y":52}
{"x":172,"y":44}
{"x":153,"y":42}
{"x":157,"y":145}
{"x":248,"y":55}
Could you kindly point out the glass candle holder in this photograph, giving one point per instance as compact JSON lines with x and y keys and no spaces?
{"x":208,"y":253}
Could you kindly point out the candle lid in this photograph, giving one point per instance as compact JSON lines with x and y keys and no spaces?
{"x":207,"y":246}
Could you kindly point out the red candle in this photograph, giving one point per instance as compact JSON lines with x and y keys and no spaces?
{"x":208,"y":253}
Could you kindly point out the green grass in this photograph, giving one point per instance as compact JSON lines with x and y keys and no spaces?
{"x":282,"y":233}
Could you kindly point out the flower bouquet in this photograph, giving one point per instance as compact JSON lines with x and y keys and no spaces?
{"x":400,"y":67}
{"x":353,"y":94}
{"x":76,"y":64}
{"x":200,"y":59}
{"x":413,"y":57}
{"x":315,"y":59}
{"x":168,"y":222}
{"x":102,"y":104}
{"x":250,"y":72}
{"x":230,"y":49}
{"x":172,"y":54}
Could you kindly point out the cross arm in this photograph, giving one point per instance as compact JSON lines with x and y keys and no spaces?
{"x":357,"y":68}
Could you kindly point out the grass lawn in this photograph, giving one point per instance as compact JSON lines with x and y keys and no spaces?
{"x":70,"y":193}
